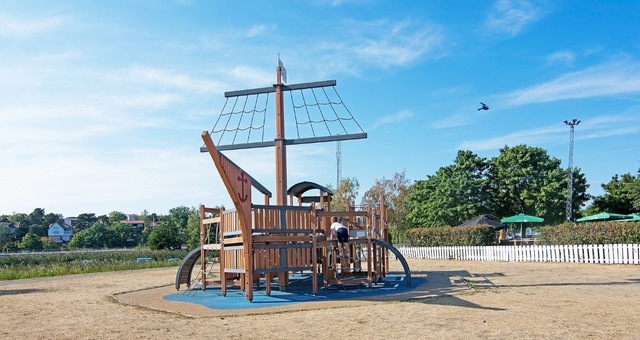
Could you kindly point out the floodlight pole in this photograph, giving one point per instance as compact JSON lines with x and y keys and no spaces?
{"x":572,"y":123}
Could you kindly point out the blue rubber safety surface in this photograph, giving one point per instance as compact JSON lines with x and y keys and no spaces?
{"x":298,"y":291}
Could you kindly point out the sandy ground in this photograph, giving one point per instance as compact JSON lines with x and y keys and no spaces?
{"x":459,"y":299}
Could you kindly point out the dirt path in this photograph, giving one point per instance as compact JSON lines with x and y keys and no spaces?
{"x":460,"y":299}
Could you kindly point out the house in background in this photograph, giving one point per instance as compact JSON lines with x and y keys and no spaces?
{"x":134,"y":222}
{"x":72,"y":221}
{"x":60,"y":232}
{"x":10,"y":227}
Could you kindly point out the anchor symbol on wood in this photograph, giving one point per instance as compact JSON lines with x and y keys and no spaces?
{"x":241,"y":195}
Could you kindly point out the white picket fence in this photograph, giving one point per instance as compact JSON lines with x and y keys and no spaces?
{"x":589,"y":253}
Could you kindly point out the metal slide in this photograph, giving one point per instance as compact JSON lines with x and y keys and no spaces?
{"x":405,"y":265}
{"x":186,"y":268}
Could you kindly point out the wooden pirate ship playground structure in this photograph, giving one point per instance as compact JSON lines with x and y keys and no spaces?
{"x":264,"y":243}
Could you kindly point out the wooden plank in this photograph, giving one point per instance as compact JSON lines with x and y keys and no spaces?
{"x":281,"y":231}
{"x":282,"y":247}
{"x":281,"y":238}
{"x":211,"y":220}
{"x":231,"y":233}
{"x":342,"y":213}
{"x":280,"y":270}
{"x":233,"y":240}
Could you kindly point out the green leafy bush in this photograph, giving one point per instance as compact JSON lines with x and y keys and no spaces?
{"x":450,"y":236}
{"x":605,"y":232}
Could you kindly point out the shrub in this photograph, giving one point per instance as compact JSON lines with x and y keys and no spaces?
{"x":21,"y":266}
{"x":603,"y":232}
{"x":451,"y":236}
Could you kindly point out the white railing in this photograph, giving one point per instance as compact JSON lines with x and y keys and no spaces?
{"x":588,"y":253}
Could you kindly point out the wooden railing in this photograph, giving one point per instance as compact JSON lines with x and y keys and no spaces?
{"x":283,"y":238}
{"x":588,"y":253}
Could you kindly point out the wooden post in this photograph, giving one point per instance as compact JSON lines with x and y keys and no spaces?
{"x":280,"y":148}
{"x":203,"y":252}
{"x":281,"y":158}
{"x":314,"y":252}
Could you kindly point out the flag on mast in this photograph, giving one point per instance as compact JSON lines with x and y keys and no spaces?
{"x":283,"y":71}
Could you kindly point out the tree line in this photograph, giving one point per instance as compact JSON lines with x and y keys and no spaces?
{"x":520,"y":179}
{"x":172,"y":231}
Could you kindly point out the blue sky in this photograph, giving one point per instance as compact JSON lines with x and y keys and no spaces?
{"x":102,"y":103}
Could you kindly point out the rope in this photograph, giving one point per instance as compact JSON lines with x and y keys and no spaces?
{"x":315,"y":114}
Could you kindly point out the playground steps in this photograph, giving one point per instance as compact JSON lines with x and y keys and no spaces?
{"x":347,"y":281}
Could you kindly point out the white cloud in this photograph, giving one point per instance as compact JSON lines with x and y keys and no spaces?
{"x":561,"y":57}
{"x":597,"y":127}
{"x":615,"y":78}
{"x":149,"y":101}
{"x":400,"y":43}
{"x":397,"y":117}
{"x":251,"y":76}
{"x":172,"y":79}
{"x":454,"y":120}
{"x":530,"y":137}
{"x":14,"y":27}
{"x":258,"y":29}
{"x":609,"y":126}
{"x":510,"y":17}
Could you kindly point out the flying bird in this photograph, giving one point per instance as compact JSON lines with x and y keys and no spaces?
{"x":484,"y":107}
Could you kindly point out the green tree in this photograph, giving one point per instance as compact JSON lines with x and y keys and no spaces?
{"x":622,"y":195}
{"x":345,"y":194}
{"x":5,"y":238}
{"x":84,"y":221}
{"x":79,"y":241}
{"x":524,"y":179}
{"x":455,"y":193}
{"x":580,"y":195}
{"x":99,"y":235}
{"x":193,"y":230}
{"x":123,"y":235}
{"x":48,"y":243}
{"x":165,"y":236}
{"x":150,"y":220}
{"x":39,"y":229}
{"x":116,"y":217}
{"x":52,"y":218}
{"x":18,"y":217}
{"x":37,"y":216}
{"x":179,"y":216}
{"x":394,"y":191}
{"x":31,"y":242}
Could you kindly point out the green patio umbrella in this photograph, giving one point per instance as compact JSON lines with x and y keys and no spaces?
{"x":632,"y":218}
{"x":522,"y":218}
{"x":603,"y":216}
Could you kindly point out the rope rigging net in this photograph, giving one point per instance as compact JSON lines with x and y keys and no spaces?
{"x":317,"y":112}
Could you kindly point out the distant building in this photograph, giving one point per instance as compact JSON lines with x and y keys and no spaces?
{"x":132,"y":217}
{"x":60,"y":232}
{"x":134,"y":224}
{"x":10,"y":227}
{"x":72,"y":221}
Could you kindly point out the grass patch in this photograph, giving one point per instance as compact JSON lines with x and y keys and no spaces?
{"x":26,"y":266}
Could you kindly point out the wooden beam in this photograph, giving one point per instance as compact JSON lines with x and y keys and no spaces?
{"x":291,"y":87}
